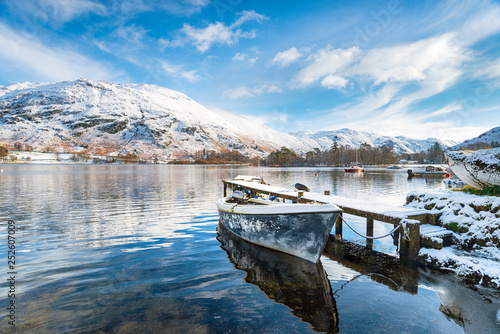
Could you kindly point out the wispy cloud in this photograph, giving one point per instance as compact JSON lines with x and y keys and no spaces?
{"x":35,"y":61}
{"x":245,"y":92}
{"x":243,"y":57}
{"x":285,"y":58}
{"x":177,"y":71}
{"x":132,"y":33}
{"x":215,"y":33}
{"x":56,"y":11}
{"x":325,"y":62}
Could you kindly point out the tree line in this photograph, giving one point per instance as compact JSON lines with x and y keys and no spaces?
{"x":337,"y":155}
{"x":340,"y":155}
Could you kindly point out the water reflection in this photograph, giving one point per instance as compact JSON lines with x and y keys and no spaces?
{"x":381,"y":268}
{"x":457,"y":308}
{"x":298,"y":284}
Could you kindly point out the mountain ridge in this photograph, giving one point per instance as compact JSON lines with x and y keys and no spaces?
{"x":488,"y":138}
{"x":108,"y":118}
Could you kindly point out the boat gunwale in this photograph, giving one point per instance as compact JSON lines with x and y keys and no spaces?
{"x":276,"y":208}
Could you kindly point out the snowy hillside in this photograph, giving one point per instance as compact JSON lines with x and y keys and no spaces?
{"x":489,"y":137}
{"x":106,"y":118}
{"x":351,"y":138}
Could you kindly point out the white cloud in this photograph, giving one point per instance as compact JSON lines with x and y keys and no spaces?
{"x":245,"y":92}
{"x":411,"y":62}
{"x":489,"y":70}
{"x":131,"y":33}
{"x":333,"y":82}
{"x":243,"y":57}
{"x":183,"y":7}
{"x":246,"y":16}
{"x":285,"y":58}
{"x":434,"y":62}
{"x":446,"y":110}
{"x":32,"y":59}
{"x":326,"y":62}
{"x":178,"y":72}
{"x":55,"y":11}
{"x":481,"y":25}
{"x":215,"y":33}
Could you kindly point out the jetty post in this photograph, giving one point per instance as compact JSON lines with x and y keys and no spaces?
{"x":338,"y":227}
{"x":409,"y":248}
{"x":338,"y":222}
{"x":369,"y":232}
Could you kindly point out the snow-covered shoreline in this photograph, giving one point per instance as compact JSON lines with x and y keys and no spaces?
{"x":60,"y":158}
{"x":475,"y":222}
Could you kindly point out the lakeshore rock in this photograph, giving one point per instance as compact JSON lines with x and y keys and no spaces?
{"x":475,"y":221}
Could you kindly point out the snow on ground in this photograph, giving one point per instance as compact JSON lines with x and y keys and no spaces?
{"x":45,"y":157}
{"x":464,"y":264}
{"x":475,"y":221}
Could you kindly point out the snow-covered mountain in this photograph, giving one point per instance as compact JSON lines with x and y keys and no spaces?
{"x":351,"y":138}
{"x":110,"y":118}
{"x":489,"y":137}
{"x":107,"y":118}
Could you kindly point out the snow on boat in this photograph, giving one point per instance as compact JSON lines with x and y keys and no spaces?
{"x":299,"y":229}
{"x":479,"y":169}
{"x":429,"y":172}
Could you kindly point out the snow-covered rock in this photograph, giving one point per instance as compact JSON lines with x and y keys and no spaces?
{"x":476,"y":223}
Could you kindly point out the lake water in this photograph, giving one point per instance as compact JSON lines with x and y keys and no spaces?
{"x":135,"y":249}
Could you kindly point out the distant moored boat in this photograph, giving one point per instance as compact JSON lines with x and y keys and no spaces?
{"x":430,"y":172}
{"x":354,"y":169}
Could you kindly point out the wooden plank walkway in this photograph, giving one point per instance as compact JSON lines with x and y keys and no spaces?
{"x":370,"y":210}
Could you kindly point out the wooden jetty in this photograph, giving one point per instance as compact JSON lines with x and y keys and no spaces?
{"x":410,"y":238}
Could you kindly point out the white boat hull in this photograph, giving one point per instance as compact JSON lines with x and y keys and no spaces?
{"x":474,"y":169}
{"x":297,"y":229}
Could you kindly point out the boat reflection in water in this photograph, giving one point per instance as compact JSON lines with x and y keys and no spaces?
{"x":301,"y":285}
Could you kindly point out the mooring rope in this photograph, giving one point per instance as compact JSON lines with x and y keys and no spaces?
{"x":361,"y":275}
{"x":401,"y":224}
{"x":289,"y":188}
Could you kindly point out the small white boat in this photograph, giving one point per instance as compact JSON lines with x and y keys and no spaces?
{"x":394,"y":167}
{"x":299,"y":229}
{"x":479,"y":169}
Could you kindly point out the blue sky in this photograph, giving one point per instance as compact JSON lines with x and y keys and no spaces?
{"x":414,"y":68}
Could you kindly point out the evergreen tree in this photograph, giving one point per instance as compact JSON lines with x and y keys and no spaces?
{"x":436,"y":154}
{"x":4,"y":151}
